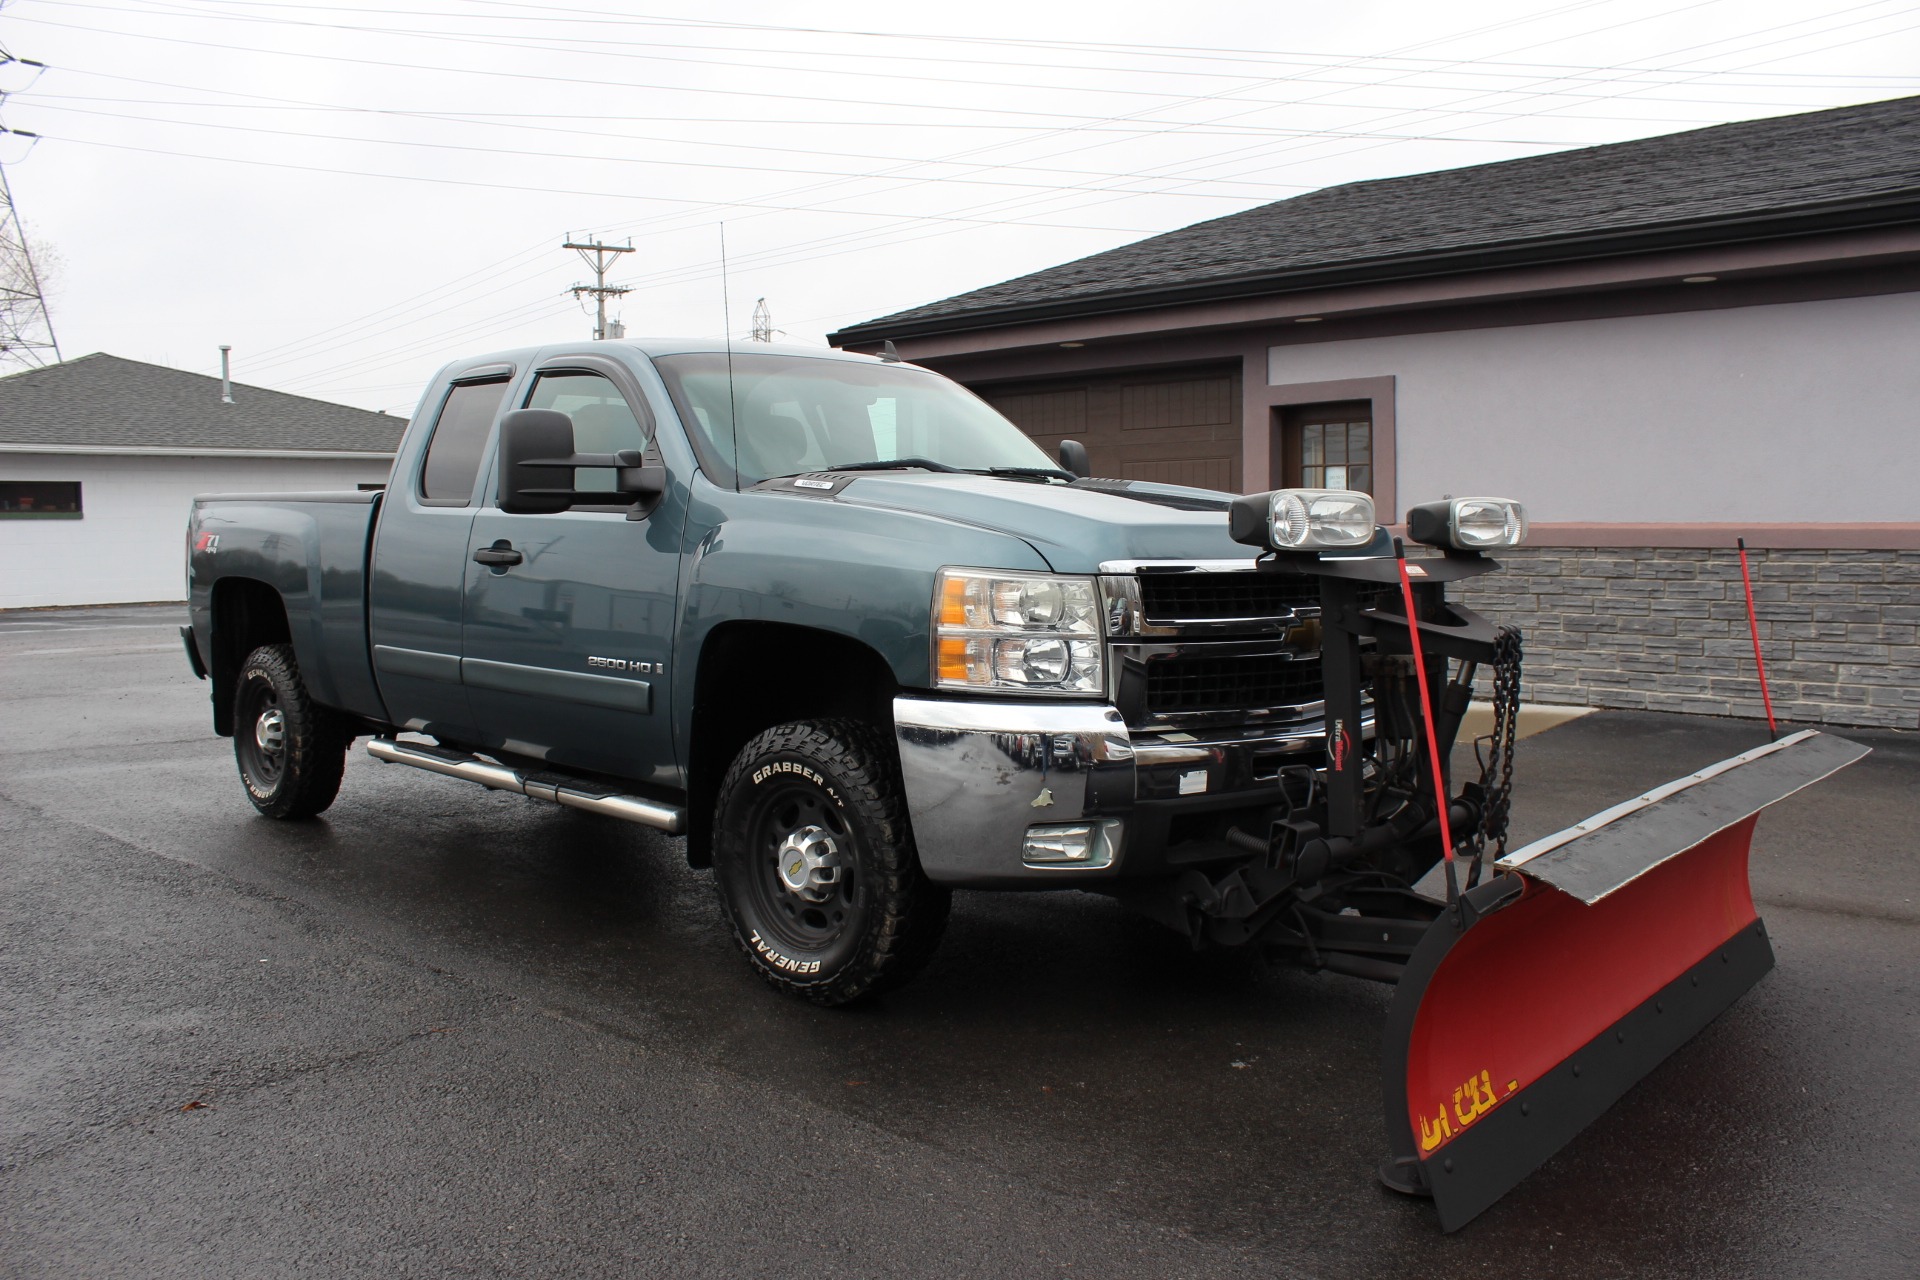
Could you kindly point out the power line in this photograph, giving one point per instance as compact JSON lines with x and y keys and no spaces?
{"x":599,"y":195}
{"x":730,"y":166}
{"x":545,"y":16}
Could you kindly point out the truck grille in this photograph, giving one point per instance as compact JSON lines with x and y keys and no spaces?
{"x":1217,"y":597}
{"x":1192,"y":682}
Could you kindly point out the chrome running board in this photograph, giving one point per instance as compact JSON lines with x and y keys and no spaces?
{"x":574,"y":793}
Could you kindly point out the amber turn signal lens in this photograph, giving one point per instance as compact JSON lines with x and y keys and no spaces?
{"x":953,"y":609}
{"x":953,"y":654}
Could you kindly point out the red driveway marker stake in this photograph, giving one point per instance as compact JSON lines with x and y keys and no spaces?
{"x":1753,"y":625}
{"x":1426,"y":717}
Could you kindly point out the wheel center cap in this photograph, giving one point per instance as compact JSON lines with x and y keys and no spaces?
{"x":270,"y":730}
{"x":810,"y":864}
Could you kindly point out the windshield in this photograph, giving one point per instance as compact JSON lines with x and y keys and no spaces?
{"x":800,"y":414}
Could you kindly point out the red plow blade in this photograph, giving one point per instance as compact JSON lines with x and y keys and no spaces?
{"x":1546,"y":993}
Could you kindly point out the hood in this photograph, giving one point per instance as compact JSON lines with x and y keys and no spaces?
{"x":1074,"y":528}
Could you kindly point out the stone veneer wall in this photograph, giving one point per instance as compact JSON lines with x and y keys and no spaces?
{"x":1665,"y":629}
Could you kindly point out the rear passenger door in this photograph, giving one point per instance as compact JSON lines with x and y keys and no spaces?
{"x":566,"y":652}
{"x":420,"y":561}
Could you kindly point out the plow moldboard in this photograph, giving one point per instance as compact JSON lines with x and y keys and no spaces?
{"x":1544,"y":995}
{"x":1521,"y":1029}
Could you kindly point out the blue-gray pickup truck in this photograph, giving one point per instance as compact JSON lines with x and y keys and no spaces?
{"x":851,"y":633}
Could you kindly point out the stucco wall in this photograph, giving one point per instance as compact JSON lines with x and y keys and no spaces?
{"x":1794,"y":412}
{"x":130,"y":543}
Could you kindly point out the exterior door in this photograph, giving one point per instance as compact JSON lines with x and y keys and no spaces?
{"x":419,"y":556}
{"x":566,"y":652}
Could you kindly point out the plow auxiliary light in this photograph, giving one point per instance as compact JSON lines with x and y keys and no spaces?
{"x":1302,"y":519}
{"x":1468,"y":524}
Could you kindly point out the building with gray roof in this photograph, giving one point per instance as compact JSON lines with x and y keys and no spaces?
{"x":100,"y":457}
{"x":1661,"y":346}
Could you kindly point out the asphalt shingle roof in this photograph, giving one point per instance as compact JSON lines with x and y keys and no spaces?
{"x":107,"y":401}
{"x":1701,"y":179}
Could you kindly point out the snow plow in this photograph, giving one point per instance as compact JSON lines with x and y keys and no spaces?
{"x":1543,"y":982}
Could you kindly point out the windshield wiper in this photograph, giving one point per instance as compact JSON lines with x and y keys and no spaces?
{"x":1038,"y":473}
{"x":894,"y":464}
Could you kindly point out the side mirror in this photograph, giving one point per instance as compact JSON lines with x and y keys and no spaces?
{"x":537,"y":462}
{"x":1073,"y":457}
{"x":531,"y":442}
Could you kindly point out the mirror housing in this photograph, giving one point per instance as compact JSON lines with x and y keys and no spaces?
{"x":1073,"y":457}
{"x":530,"y":439}
{"x":537,"y":461}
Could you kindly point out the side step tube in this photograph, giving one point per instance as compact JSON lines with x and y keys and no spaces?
{"x":571,"y":792}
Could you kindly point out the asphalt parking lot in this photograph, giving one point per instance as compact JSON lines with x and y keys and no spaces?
{"x":449,"y":1032}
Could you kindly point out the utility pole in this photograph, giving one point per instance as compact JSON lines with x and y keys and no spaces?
{"x":763,"y":329}
{"x":26,"y":328}
{"x":600,"y":259}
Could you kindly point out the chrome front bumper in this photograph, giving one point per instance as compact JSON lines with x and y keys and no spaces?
{"x":980,"y":774}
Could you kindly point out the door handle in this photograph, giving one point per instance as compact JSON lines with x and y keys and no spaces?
{"x":499,"y":555}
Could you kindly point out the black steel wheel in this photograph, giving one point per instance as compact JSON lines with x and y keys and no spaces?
{"x":291,"y":751}
{"x":815,"y":864}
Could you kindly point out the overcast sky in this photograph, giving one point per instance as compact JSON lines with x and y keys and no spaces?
{"x":351,"y":192}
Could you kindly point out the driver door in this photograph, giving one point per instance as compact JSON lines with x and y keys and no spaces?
{"x":566,"y":650}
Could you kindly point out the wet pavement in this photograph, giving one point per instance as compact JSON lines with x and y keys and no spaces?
{"x":449,"y":1032}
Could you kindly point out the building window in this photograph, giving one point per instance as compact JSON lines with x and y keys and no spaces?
{"x":1329,"y":446}
{"x":39,"y":499}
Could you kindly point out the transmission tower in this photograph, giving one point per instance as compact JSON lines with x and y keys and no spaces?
{"x":26,"y":329}
{"x":600,"y":259}
{"x":763,"y":330}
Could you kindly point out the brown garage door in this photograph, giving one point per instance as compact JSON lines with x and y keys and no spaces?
{"x":1179,"y":426}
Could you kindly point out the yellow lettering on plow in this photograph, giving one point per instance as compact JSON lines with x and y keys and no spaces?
{"x":1440,"y":1132}
{"x":1471,"y":1100}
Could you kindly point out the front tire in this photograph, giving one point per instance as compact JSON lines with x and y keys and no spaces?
{"x":815,"y":863}
{"x":290,"y":750}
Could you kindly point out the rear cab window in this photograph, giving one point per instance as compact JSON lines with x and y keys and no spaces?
{"x":459,"y":442}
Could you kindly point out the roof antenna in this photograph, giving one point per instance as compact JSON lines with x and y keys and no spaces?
{"x":226,"y":383}
{"x":887,"y":352}
{"x":726,"y":324}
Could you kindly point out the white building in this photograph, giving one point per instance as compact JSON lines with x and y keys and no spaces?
{"x":100,"y":458}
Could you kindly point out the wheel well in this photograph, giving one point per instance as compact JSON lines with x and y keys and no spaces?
{"x":247,"y":613}
{"x":754,"y":675}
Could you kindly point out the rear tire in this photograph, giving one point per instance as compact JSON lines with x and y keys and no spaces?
{"x":815,"y":863}
{"x":291,"y":751}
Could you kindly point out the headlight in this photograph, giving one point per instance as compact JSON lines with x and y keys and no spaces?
{"x":1039,"y":633}
{"x":1302,"y":519}
{"x":1468,"y":524}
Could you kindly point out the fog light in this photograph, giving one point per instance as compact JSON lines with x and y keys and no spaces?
{"x":1302,"y":519}
{"x":1468,"y":524}
{"x":1071,"y":844}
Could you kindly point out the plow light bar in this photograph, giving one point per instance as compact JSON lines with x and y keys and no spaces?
{"x":1468,"y":524}
{"x":1302,"y":519}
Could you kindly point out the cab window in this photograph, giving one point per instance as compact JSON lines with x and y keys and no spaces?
{"x":603,"y":421}
{"x":459,"y":440}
